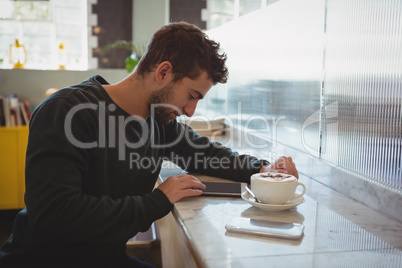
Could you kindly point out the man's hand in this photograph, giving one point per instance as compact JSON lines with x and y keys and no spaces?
{"x":282,"y":165}
{"x":180,"y":186}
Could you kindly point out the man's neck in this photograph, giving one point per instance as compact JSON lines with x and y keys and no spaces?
{"x":132,"y":95}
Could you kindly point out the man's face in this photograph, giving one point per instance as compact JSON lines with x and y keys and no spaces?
{"x":178,"y":98}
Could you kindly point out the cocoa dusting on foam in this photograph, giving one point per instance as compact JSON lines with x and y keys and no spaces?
{"x":276,"y":177}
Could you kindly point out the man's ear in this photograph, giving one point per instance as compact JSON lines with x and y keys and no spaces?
{"x":163,"y":73}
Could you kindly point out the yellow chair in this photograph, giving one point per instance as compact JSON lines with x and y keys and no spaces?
{"x":13,"y":145}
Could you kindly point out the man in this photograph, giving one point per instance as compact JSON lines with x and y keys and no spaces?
{"x":95,"y":150}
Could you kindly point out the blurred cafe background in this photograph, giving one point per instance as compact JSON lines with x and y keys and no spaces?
{"x":325,"y":74}
{"x":320,"y":77}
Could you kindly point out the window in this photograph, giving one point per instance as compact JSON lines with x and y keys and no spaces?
{"x":53,"y":32}
{"x":322,"y":77}
{"x":223,"y":11}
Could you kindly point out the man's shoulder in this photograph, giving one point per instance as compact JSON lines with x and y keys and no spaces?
{"x":87,"y":91}
{"x":90,"y":88}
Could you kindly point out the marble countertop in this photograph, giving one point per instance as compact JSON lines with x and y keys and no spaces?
{"x":339,"y":232}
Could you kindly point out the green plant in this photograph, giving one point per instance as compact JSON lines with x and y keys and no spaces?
{"x":136,"y":52}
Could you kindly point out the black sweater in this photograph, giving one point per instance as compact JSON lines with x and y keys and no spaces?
{"x":90,"y":173}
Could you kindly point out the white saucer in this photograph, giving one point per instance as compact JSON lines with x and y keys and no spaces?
{"x":271,"y":207}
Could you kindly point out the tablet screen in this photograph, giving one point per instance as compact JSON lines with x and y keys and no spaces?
{"x":222,"y":188}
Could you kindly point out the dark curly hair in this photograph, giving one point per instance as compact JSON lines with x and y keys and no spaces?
{"x":188,"y":49}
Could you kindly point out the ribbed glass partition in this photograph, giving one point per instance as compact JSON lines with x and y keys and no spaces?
{"x":363,"y":88}
{"x":323,"y":77}
{"x":275,"y":60}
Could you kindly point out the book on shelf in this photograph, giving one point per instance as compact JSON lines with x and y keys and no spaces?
{"x":2,"y":117}
{"x":24,"y":116}
{"x":14,"y":112}
{"x":205,"y":126}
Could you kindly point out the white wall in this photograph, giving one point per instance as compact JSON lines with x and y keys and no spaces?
{"x":32,"y":84}
{"x":148,"y":17}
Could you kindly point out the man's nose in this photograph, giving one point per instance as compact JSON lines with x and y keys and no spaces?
{"x":189,"y":109}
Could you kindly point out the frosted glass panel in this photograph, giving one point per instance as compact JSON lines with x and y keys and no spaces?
{"x":275,"y":60}
{"x":363,"y":75}
{"x":325,"y":75}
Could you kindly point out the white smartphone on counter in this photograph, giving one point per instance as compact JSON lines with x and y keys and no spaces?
{"x":265,"y":228}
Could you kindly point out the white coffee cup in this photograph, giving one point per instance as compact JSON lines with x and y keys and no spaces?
{"x":276,"y":188}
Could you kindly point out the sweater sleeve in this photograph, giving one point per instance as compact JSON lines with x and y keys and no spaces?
{"x":56,"y":168}
{"x":196,"y":153}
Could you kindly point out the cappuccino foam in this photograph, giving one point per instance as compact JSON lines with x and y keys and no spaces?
{"x":274,"y":177}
